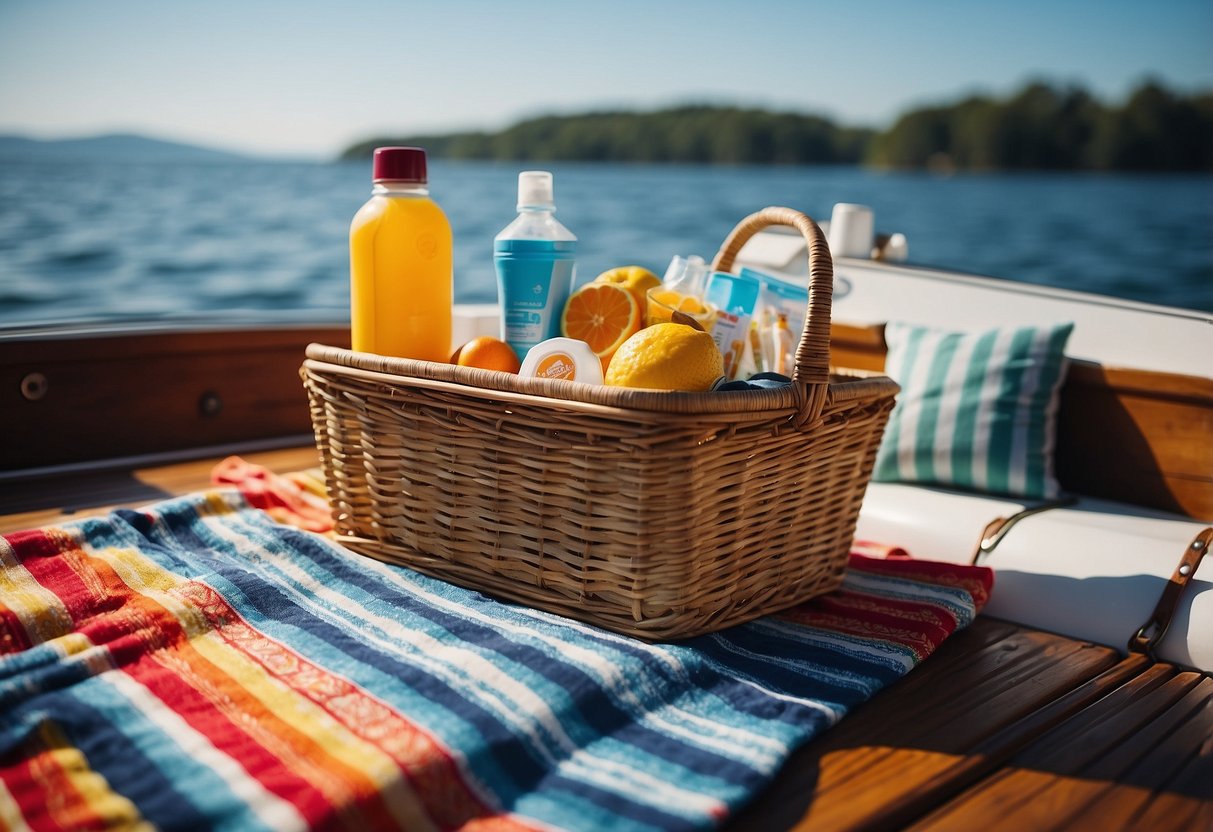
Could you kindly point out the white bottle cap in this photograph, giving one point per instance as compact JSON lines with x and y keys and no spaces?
{"x":535,"y":190}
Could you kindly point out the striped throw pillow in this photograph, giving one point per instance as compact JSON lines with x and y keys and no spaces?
{"x":977,"y":411}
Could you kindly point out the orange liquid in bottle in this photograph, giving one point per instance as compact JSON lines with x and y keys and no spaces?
{"x":400,"y":275}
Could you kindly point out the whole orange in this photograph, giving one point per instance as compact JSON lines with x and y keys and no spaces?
{"x":488,"y":354}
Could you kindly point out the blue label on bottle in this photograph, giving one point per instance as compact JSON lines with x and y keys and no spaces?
{"x":536,"y":248}
{"x":534,"y":280}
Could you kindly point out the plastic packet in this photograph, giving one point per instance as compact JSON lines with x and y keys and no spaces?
{"x":686,"y":275}
{"x":735,"y":298}
{"x":782,"y":346}
{"x":681,"y":290}
{"x":782,"y":309}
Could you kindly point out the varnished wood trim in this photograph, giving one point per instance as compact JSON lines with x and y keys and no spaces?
{"x":130,"y":394}
{"x":860,"y":347}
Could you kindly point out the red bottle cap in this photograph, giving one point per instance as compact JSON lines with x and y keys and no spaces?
{"x":399,"y":164}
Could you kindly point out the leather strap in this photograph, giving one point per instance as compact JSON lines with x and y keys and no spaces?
{"x":1149,"y":634}
{"x":997,"y":528}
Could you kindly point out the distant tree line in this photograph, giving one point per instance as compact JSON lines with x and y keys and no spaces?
{"x":1042,"y":127}
{"x":1047,"y":128}
{"x":693,"y":134}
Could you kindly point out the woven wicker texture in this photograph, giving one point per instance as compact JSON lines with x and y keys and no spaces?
{"x":660,"y":515}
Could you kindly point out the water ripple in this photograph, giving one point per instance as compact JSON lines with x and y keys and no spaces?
{"x":144,"y":239}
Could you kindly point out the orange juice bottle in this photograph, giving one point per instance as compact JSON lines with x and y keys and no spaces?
{"x":400,"y":263}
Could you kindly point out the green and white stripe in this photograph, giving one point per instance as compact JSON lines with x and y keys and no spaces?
{"x":977,"y":410}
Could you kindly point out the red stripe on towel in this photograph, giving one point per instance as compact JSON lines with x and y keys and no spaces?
{"x":44,"y":782}
{"x":978,"y":581}
{"x":919,"y":626}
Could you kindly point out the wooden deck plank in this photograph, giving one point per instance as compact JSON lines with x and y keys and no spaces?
{"x":1095,"y":732}
{"x":1044,"y":719}
{"x":1138,"y":758}
{"x":1162,"y":747}
{"x":1175,"y":777}
{"x":39,"y":501}
{"x":1173,"y":814}
{"x":898,"y":756}
{"x":1049,"y":672}
{"x":993,"y":752}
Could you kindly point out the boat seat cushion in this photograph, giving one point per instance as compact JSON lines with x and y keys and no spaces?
{"x":1093,"y":570}
{"x":977,"y":410}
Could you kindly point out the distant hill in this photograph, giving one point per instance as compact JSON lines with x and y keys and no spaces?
{"x":114,"y":146}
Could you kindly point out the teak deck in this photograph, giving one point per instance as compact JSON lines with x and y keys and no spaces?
{"x":1003,"y":728}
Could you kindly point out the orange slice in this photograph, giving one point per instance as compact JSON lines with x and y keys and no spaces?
{"x":604,"y":315}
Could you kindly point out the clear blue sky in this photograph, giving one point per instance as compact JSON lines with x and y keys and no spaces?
{"x":308,"y":77}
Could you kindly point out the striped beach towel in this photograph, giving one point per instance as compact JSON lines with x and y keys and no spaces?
{"x":195,"y":665}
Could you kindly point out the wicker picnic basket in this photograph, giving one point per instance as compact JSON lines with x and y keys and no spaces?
{"x":657,"y":514}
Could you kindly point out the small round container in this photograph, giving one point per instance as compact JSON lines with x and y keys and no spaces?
{"x":565,"y":358}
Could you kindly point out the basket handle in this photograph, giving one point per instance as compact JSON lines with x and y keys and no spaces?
{"x":811,"y":371}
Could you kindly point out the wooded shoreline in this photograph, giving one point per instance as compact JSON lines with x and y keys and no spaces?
{"x":1042,"y":127}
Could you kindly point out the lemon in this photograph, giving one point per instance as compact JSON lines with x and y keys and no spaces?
{"x":667,"y":357}
{"x":636,"y":279}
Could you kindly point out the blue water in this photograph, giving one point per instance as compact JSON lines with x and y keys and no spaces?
{"x":266,"y":239}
